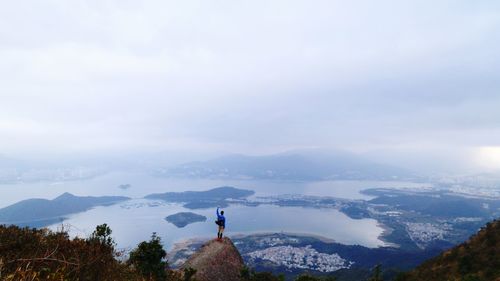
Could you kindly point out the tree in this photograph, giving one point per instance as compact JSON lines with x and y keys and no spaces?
{"x":306,"y":277}
{"x":102,"y":234}
{"x":472,"y":277}
{"x":189,"y":274}
{"x":402,"y":276}
{"x":247,"y":274}
{"x":149,"y":259}
{"x":41,"y":254}
{"x":377,"y":274}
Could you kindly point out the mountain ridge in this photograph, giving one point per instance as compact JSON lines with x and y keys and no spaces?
{"x":299,"y":166}
{"x":41,"y":212}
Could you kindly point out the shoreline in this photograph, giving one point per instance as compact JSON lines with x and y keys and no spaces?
{"x":184,"y":243}
{"x":386,"y":230}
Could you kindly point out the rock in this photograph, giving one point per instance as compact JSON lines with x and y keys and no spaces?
{"x":216,"y":261}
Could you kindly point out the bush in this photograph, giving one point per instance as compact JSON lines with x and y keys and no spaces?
{"x":148,"y":259}
{"x":41,"y":254}
{"x":250,"y":275}
{"x":189,"y":274}
{"x":306,"y":277}
{"x":102,"y":235}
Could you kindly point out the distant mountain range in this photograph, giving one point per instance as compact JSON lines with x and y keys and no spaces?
{"x":298,"y":166}
{"x":41,"y":212}
{"x":203,"y":199}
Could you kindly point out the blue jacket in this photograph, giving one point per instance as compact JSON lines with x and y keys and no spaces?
{"x":221,"y":218}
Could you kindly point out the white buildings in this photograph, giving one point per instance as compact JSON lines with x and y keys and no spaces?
{"x":301,"y":258}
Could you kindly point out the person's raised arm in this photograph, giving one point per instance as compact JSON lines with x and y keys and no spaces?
{"x":218,"y":211}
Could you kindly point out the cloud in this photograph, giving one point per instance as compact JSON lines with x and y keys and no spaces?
{"x":248,"y":76}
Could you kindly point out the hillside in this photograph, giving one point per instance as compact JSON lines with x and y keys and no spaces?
{"x":477,"y":259}
{"x":42,"y":212}
{"x":40,"y":254}
{"x":203,"y":199}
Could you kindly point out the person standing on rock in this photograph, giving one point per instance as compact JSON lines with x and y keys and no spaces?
{"x":221,"y":222}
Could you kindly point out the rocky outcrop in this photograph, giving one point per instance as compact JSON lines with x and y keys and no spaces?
{"x":217,"y":260}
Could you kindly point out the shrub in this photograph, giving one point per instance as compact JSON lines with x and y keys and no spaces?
{"x":148,"y":259}
{"x":41,"y":254}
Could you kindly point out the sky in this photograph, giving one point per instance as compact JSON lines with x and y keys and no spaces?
{"x":414,"y":83}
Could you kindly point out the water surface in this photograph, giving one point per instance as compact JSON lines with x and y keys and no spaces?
{"x":134,"y":221}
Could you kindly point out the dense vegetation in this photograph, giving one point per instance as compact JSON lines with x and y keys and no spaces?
{"x":41,"y":254}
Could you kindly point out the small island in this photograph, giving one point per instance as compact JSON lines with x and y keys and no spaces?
{"x":125,"y":186}
{"x":184,"y":218}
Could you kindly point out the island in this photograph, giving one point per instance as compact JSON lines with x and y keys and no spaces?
{"x":219,"y":196}
{"x":125,"y":186}
{"x":43,"y":212}
{"x":184,"y":218}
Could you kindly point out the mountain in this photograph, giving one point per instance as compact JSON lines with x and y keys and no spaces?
{"x":475,"y":260}
{"x":216,"y":261}
{"x":300,"y":166}
{"x":41,"y":212}
{"x":203,"y":199}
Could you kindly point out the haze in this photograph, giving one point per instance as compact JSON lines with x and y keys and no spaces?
{"x":410,"y":83}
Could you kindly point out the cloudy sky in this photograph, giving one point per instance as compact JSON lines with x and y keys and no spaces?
{"x":416,"y":80}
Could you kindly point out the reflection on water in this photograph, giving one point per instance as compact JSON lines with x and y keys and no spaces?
{"x":134,"y":221}
{"x":142,"y":184}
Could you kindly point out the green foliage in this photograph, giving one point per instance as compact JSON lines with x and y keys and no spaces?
{"x":377,"y":274}
{"x":247,"y":274}
{"x":402,"y":276}
{"x":189,"y":274}
{"x":472,"y":277}
{"x":102,"y":235}
{"x":251,"y":275}
{"x":477,"y":259}
{"x":41,"y":254}
{"x":306,"y":277}
{"x":148,"y":259}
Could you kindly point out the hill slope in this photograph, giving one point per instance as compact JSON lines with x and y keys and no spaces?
{"x":42,"y":212}
{"x":476,"y":259}
{"x":203,"y":199}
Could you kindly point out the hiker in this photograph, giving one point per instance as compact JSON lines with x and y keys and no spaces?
{"x":221,"y":222}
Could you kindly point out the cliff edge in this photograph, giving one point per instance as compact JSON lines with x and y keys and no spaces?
{"x":216,"y":261}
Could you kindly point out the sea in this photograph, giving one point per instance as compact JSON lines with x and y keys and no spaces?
{"x":137,"y":219}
